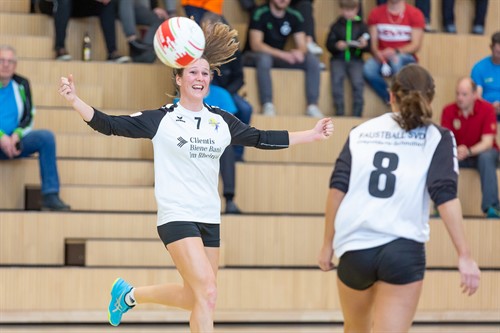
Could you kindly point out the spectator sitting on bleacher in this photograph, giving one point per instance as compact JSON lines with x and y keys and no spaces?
{"x":17,"y":138}
{"x":197,"y":8}
{"x":448,"y":12}
{"x":270,"y":26}
{"x":134,"y":12}
{"x":305,"y":7}
{"x":486,"y":75}
{"x":347,"y":40}
{"x":474,"y":125}
{"x":396,"y":31}
{"x":62,"y":10}
{"x":425,"y":8}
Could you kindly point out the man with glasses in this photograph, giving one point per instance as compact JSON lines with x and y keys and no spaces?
{"x":17,"y":138}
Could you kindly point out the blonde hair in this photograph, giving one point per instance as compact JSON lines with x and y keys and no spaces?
{"x":220,"y":45}
{"x":413,"y":90}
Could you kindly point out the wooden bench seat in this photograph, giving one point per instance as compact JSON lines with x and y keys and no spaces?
{"x":39,"y":239}
{"x":256,"y":290}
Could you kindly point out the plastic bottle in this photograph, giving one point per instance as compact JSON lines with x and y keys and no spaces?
{"x":86,"y":48}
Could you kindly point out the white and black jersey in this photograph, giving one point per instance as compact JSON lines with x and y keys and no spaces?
{"x":187,"y":147}
{"x":388,"y":175}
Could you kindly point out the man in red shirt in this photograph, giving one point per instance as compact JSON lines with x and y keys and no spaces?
{"x":396,"y":30}
{"x":473,"y":122}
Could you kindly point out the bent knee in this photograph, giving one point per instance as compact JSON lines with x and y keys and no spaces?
{"x":207,"y":296}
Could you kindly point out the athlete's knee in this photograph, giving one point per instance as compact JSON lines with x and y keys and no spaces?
{"x":207,"y":296}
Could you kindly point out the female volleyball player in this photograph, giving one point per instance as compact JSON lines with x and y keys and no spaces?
{"x":188,"y":140}
{"x":378,"y":207}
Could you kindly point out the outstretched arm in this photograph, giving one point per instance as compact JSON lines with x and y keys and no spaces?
{"x":321,"y":131}
{"x":451,"y":213}
{"x":68,"y":91}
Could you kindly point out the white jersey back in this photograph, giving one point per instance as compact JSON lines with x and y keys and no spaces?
{"x":388,"y":172}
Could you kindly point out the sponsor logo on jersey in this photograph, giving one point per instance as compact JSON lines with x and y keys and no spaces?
{"x":182,"y":142}
{"x":214,"y":123}
{"x":179,"y":118}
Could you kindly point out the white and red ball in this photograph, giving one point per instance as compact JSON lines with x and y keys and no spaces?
{"x":179,"y":41}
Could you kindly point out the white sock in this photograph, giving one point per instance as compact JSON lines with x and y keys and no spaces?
{"x":130,"y":299}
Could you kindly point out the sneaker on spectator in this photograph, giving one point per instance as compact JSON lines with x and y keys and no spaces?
{"x":117,"y":306}
{"x":322,"y":66}
{"x":63,"y":55}
{"x":314,"y":48}
{"x":52,"y":202}
{"x":314,"y":111}
{"x":450,"y":29}
{"x":268,"y":109}
{"x":478,"y":30}
{"x":493,"y":213}
{"x":428,"y":28}
{"x":140,"y":52}
{"x":119,"y":59}
{"x":232,"y":208}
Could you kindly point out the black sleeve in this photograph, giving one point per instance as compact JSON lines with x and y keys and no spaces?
{"x":139,"y":125}
{"x":332,"y":40}
{"x":242,"y":134}
{"x":342,"y":171}
{"x":442,"y":178}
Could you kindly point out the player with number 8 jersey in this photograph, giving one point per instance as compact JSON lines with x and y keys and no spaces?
{"x":377,"y":213}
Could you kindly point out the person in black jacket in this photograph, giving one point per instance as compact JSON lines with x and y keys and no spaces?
{"x":347,"y":40}
{"x":17,"y":138}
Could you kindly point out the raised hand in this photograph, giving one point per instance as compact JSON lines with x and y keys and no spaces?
{"x":67,"y":88}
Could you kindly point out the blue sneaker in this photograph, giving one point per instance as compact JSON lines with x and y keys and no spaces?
{"x":117,"y":306}
{"x":493,"y":213}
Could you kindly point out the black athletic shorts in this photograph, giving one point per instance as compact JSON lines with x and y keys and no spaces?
{"x":173,"y":231}
{"x":401,"y":261}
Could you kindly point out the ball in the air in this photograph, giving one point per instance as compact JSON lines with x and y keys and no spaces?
{"x":179,"y":41}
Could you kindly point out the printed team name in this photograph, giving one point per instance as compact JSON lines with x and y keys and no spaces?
{"x":202,"y":141}
{"x":400,"y":135}
{"x":203,"y":148}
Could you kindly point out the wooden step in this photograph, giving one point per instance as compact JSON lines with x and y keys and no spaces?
{"x":14,"y":6}
{"x":43,"y":25}
{"x":33,"y":24}
{"x":263,"y":290}
{"x":39,"y":238}
{"x":274,"y":325}
{"x":260,"y":188}
{"x":47,"y":95}
{"x":30,"y":46}
{"x":95,"y":172}
{"x":125,"y":86}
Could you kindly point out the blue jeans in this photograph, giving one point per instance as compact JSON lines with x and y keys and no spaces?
{"x":371,"y":72}
{"x":486,"y":164}
{"x":43,"y":143}
{"x":263,"y":62}
{"x":244,"y":114}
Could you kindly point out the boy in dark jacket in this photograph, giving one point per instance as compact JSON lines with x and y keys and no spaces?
{"x":347,"y":40}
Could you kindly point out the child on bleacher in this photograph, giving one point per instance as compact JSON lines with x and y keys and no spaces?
{"x":347,"y":41}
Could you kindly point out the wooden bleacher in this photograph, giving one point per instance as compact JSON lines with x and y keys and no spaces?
{"x":268,"y":276}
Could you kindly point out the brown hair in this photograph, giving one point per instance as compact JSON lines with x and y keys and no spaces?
{"x":413,"y":90}
{"x":220,"y":45}
{"x":495,"y":38}
{"x":348,"y":4}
